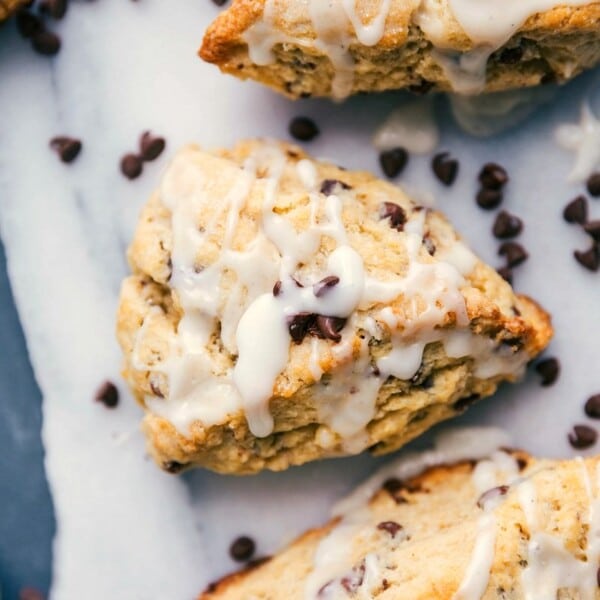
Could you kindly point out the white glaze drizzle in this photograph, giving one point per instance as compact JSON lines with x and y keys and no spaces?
{"x":583,"y":139}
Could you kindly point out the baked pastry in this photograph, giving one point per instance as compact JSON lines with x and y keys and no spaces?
{"x":342,"y":47}
{"x":283,"y":310}
{"x":8,"y":7}
{"x":506,"y":527}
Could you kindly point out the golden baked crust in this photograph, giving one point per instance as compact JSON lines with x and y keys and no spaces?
{"x":8,"y":7}
{"x":440,"y":517}
{"x":151,"y":310}
{"x":552,"y":46}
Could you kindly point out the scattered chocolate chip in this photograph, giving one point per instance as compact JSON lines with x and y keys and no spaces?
{"x":29,"y":593}
{"x":395,"y":213}
{"x":156,"y":390}
{"x":393,"y":485}
{"x":277,"y":289}
{"x":576,"y":211}
{"x":151,"y":147}
{"x":593,"y":228}
{"x":511,"y":56}
{"x":493,"y":176}
{"x":590,"y":259}
{"x":172,"y":466}
{"x":55,"y":8}
{"x":521,"y":463}
{"x":303,"y":129}
{"x":131,"y":166}
{"x":506,"y":274}
{"x":28,"y":24}
{"x":321,"y":288}
{"x":108,"y":394}
{"x":46,"y":43}
{"x":330,"y":327}
{"x":593,"y":184}
{"x":390,"y":527}
{"x":300,"y":325}
{"x":592,"y":407}
{"x":501,"y":490}
{"x":242,"y":548}
{"x":515,"y":253}
{"x":507,"y":225}
{"x":429,"y":245}
{"x":463,"y":403}
{"x":353,"y":581}
{"x":582,"y":437}
{"x":329,"y":185}
{"x":488,"y":199}
{"x":393,"y":161}
{"x":67,"y":148}
{"x":445,"y":168}
{"x":549,"y":370}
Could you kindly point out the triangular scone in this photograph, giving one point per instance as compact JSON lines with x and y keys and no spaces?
{"x":284,"y":310}
{"x":341,"y":47}
{"x":507,"y":527}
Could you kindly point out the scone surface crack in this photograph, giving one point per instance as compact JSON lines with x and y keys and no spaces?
{"x":283,"y":310}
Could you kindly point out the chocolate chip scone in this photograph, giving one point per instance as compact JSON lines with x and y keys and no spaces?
{"x":283,"y":310}
{"x":342,"y":47}
{"x":8,"y":7}
{"x":505,"y":527}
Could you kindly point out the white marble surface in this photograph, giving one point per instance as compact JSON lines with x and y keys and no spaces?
{"x":125,"y":530}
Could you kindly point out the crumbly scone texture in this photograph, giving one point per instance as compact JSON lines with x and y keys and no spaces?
{"x":438,"y":515}
{"x":150,"y":311}
{"x":553,"y":46}
{"x":8,"y":7}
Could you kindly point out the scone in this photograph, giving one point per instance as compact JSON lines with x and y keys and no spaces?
{"x":283,"y":310}
{"x":8,"y":7}
{"x":341,"y":47}
{"x":506,"y":527}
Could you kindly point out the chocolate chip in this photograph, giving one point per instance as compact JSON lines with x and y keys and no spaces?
{"x":172,"y":466}
{"x":156,"y":390}
{"x":549,"y":370}
{"x":67,"y":148}
{"x":219,"y":2}
{"x":592,"y":407}
{"x":515,"y":253}
{"x":390,"y":527}
{"x":429,"y":245}
{"x":321,"y":288}
{"x":506,"y":274}
{"x":488,"y":199}
{"x":590,"y":259}
{"x":393,"y":161}
{"x":353,"y":581}
{"x":277,"y":289}
{"x":242,"y":549}
{"x":593,"y":228}
{"x":501,"y":490}
{"x":28,"y":24}
{"x":330,"y":327}
{"x":108,"y":394}
{"x":445,"y":168}
{"x":395,"y":213}
{"x":521,"y":463}
{"x":507,"y":225}
{"x":511,"y":56}
{"x":329,"y":186}
{"x":300,"y":325}
{"x":151,"y":147}
{"x":46,"y":43}
{"x":493,"y":176}
{"x":576,"y":211}
{"x":55,"y":8}
{"x":131,"y":166}
{"x":593,"y":184}
{"x":29,"y":593}
{"x":582,"y":437}
{"x":303,"y":129}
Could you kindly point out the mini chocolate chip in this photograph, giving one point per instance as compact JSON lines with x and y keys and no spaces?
{"x":242,"y":548}
{"x":329,"y":185}
{"x":67,"y":148}
{"x":277,"y":288}
{"x":28,"y":24}
{"x":463,"y":403}
{"x":592,"y":406}
{"x":393,"y":485}
{"x":506,"y":274}
{"x":488,"y":199}
{"x":299,"y":326}
{"x":521,"y":463}
{"x":45,"y":42}
{"x":549,"y":370}
{"x":511,"y":56}
{"x":593,"y":228}
{"x":429,"y":245}
{"x":108,"y":394}
{"x":493,"y":176}
{"x":151,"y":147}
{"x":55,"y":8}
{"x":131,"y":166}
{"x":330,"y":327}
{"x":590,"y":259}
{"x":395,"y":213}
{"x":172,"y":466}
{"x":321,"y":288}
{"x":393,"y":161}
{"x":29,"y":593}
{"x":515,"y":253}
{"x":303,"y":129}
{"x":445,"y":168}
{"x":507,"y":225}
{"x":582,"y":437}
{"x":156,"y":390}
{"x":494,"y":492}
{"x":353,"y":581}
{"x":390,"y":527}
{"x":576,"y":211}
{"x":593,"y":184}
